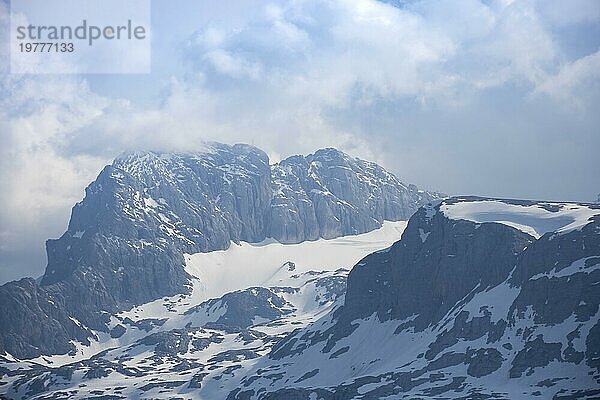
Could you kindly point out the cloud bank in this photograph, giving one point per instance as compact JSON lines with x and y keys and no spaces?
{"x":479,"y":97}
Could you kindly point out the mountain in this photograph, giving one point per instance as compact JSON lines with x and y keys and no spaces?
{"x":218,"y":275}
{"x":126,"y":240}
{"x":481,"y":298}
{"x":473,"y":298}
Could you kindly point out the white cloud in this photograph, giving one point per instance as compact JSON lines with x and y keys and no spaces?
{"x":572,"y":80}
{"x":41,"y":179}
{"x":226,"y":63}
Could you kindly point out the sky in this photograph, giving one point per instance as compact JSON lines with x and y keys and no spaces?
{"x":495,"y":98}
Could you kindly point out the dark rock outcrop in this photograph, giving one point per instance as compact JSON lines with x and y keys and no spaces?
{"x":243,"y":308}
{"x":31,"y":318}
{"x":437,"y":263}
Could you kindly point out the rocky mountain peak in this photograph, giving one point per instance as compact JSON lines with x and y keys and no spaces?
{"x":125,"y":241}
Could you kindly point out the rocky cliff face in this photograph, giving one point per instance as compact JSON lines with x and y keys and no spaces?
{"x":436,"y":265}
{"x":125,"y":241}
{"x":33,"y":318}
{"x":328,"y":194}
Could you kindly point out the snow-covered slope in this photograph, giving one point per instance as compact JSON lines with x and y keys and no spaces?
{"x":246,"y":264}
{"x":241,"y":302}
{"x":534,"y":218}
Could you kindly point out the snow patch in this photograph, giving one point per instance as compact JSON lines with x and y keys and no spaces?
{"x":423,"y":235}
{"x":535,"y":219}
{"x":150,"y":202}
{"x":260,"y":264}
{"x":575,"y":267}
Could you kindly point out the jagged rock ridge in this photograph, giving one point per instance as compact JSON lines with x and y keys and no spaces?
{"x":329,"y":194}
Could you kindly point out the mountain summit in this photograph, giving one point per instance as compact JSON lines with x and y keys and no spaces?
{"x":126,"y":239}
